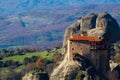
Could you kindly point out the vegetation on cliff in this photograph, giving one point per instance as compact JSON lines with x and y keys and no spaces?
{"x":14,"y":67}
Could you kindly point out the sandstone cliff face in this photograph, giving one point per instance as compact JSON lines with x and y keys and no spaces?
{"x":102,"y":26}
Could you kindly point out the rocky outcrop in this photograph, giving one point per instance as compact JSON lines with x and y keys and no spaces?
{"x":33,"y":75}
{"x":102,"y":26}
{"x":81,"y":25}
{"x":109,"y":27}
{"x":30,"y":77}
{"x":114,"y":74}
{"x":117,"y":46}
{"x":68,"y":72}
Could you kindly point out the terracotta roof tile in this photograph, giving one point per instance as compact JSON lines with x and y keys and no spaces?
{"x":85,"y":38}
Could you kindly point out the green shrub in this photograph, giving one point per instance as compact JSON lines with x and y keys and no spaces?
{"x":80,"y":76}
{"x":117,"y":57}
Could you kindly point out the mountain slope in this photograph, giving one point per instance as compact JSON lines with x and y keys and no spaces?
{"x":45,"y":28}
{"x":17,"y":6}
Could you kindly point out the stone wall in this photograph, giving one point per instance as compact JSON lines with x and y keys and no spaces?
{"x":81,"y":47}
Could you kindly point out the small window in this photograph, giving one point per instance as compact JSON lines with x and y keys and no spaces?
{"x":73,"y":48}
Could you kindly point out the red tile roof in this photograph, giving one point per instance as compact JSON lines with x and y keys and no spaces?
{"x":84,"y":38}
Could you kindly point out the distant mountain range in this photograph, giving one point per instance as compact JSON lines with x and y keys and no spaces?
{"x":43,"y":22}
{"x":8,"y":7}
{"x":43,"y":28}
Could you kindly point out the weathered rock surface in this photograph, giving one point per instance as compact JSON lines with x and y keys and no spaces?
{"x":65,"y":71}
{"x":33,"y":75}
{"x":102,"y":26}
{"x":30,"y":76}
{"x":114,"y":74}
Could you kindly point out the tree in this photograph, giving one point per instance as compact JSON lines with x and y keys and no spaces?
{"x":26,"y":61}
{"x":30,"y":67}
{"x":4,"y":51}
{"x":44,"y":76}
{"x":40,"y":63}
{"x":57,"y":57}
{"x":34,"y":58}
{"x":1,"y":64}
{"x":80,"y":76}
{"x":17,"y":63}
{"x":8,"y":63}
{"x":48,"y":50}
{"x":1,"y":57}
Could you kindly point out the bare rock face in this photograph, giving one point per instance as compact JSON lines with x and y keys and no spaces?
{"x":102,"y":26}
{"x":114,"y":74}
{"x":33,"y":75}
{"x":110,"y":26}
{"x":80,"y":26}
{"x":30,"y":76}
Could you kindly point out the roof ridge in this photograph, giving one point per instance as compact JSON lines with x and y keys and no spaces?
{"x":88,"y":38}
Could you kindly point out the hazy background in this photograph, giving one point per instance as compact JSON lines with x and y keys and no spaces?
{"x":41,"y":23}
